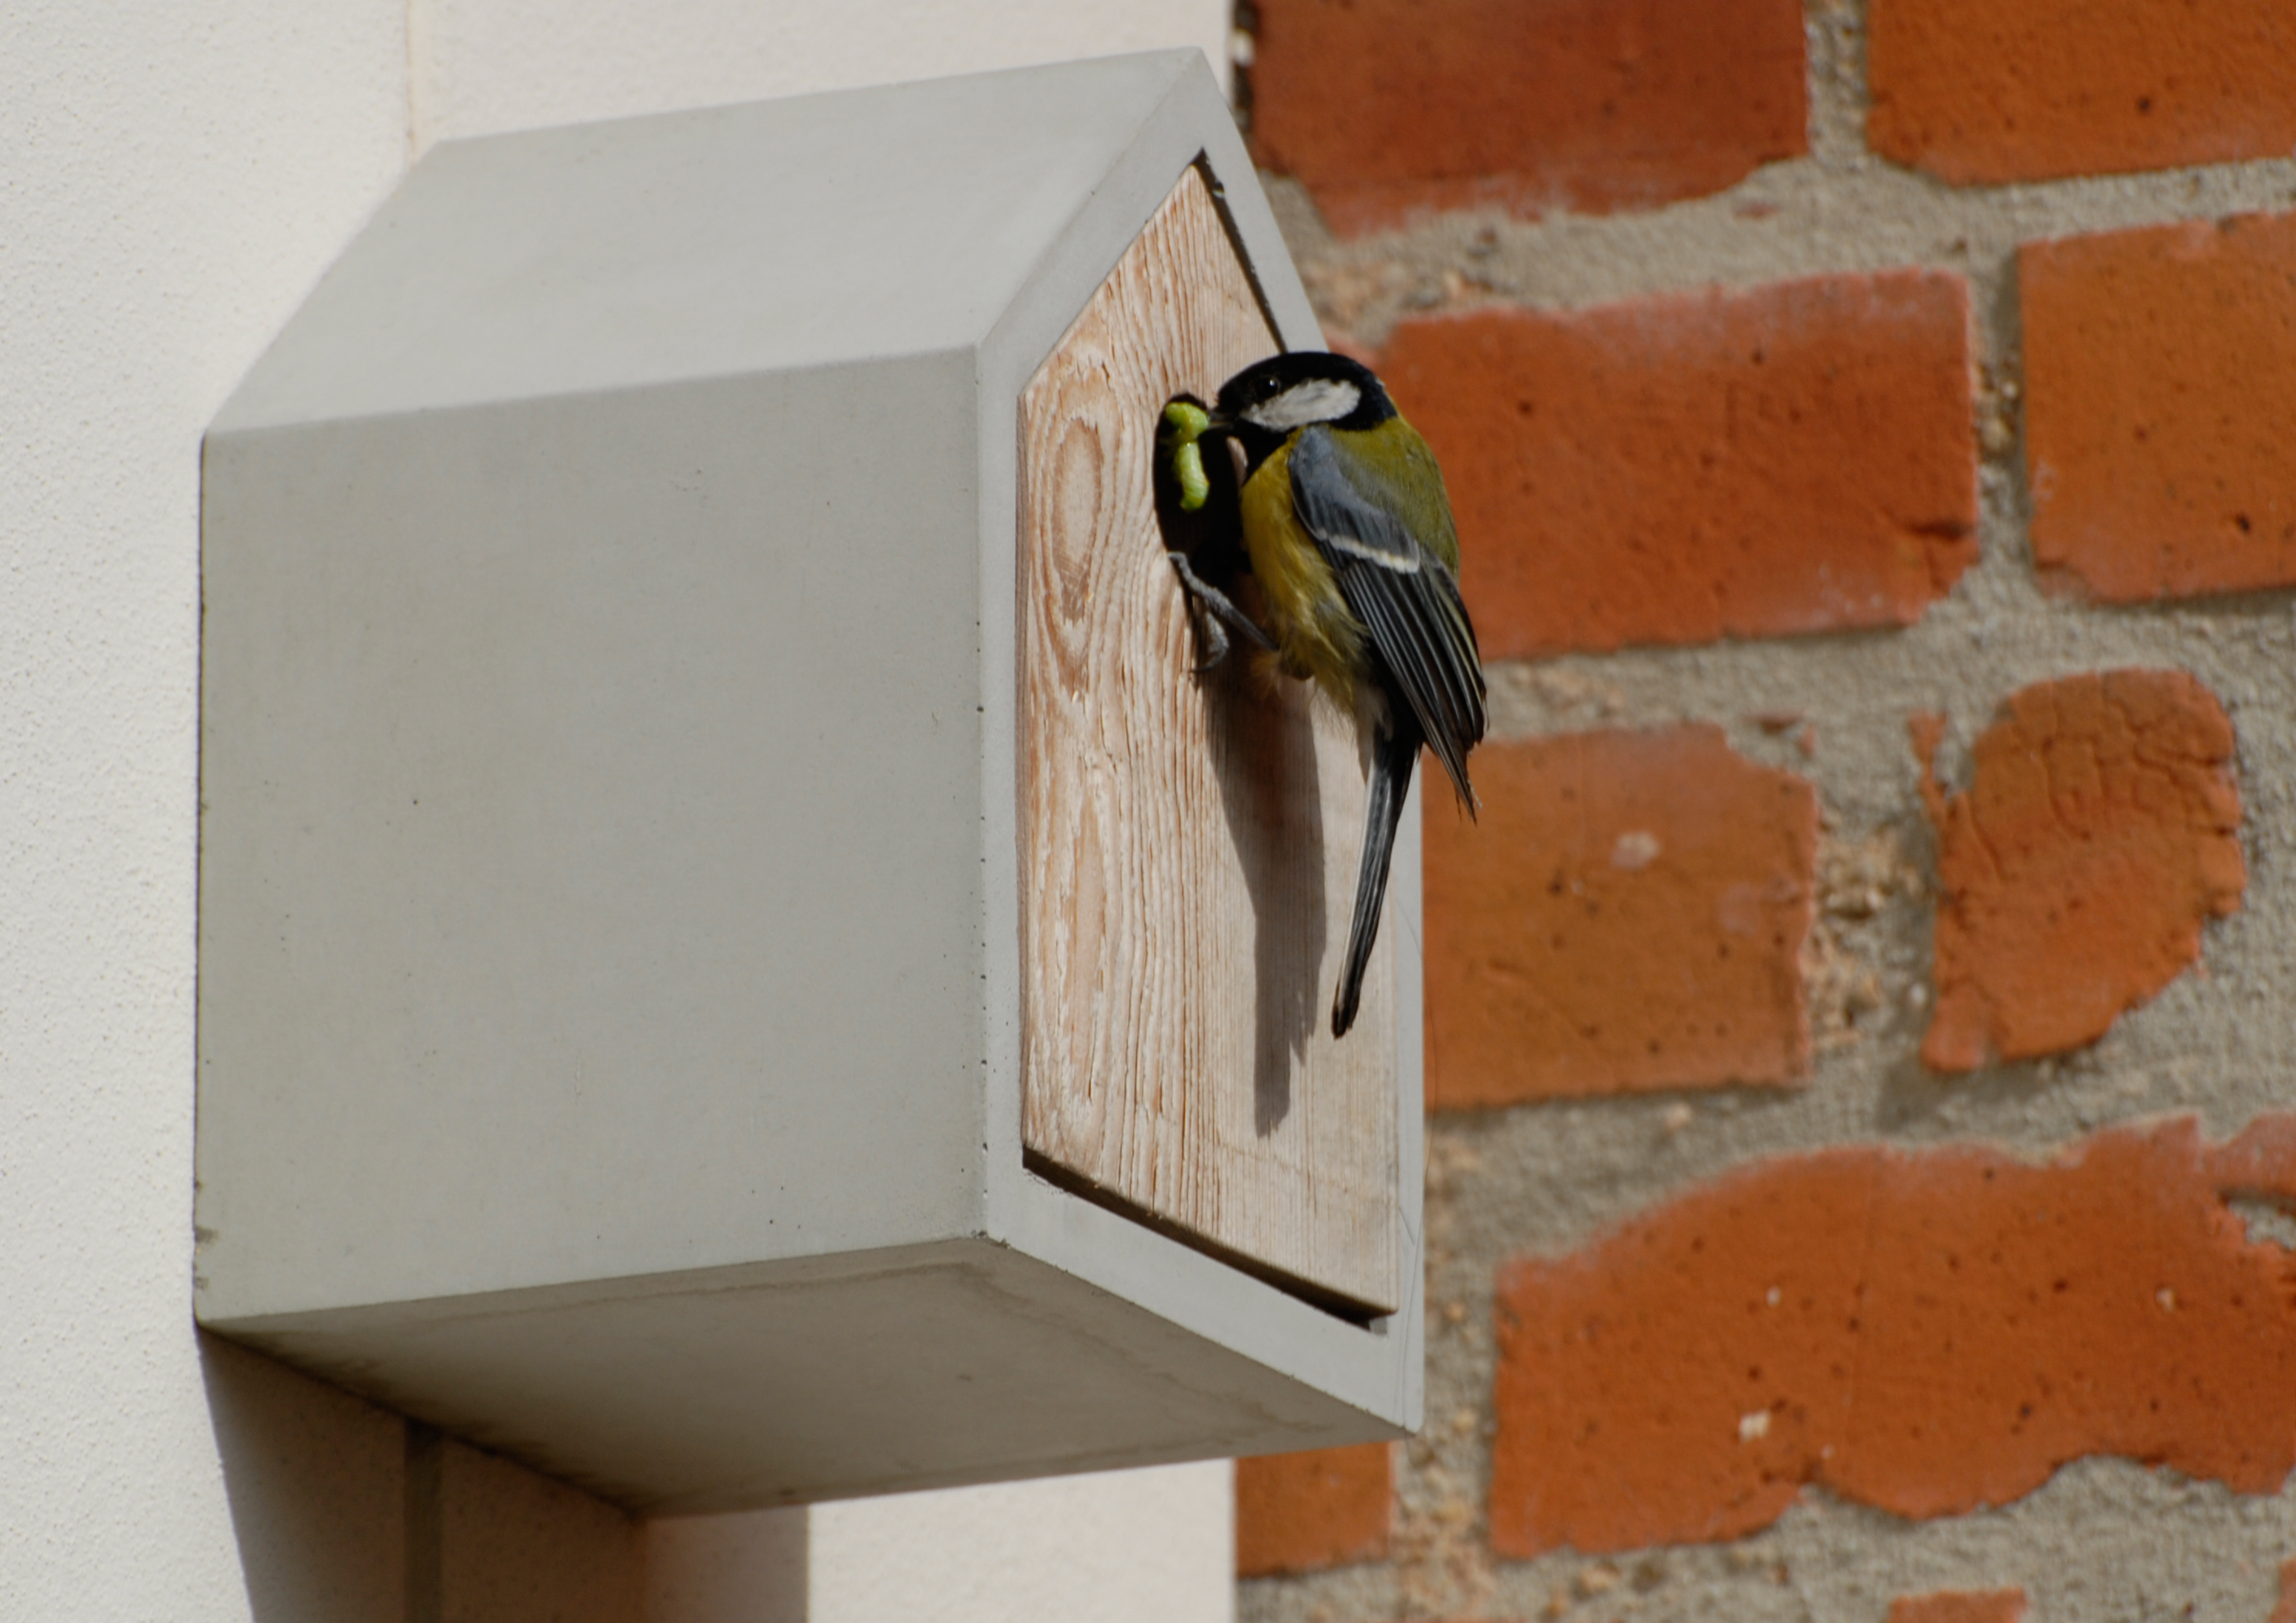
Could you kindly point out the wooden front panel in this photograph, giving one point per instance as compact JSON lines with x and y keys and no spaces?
{"x":1189,"y":844}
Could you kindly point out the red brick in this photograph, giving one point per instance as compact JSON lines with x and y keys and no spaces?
{"x":1960,"y":1606}
{"x":1628,"y":915}
{"x":1925,"y":1333}
{"x":2285,"y":1612}
{"x":2097,"y":833}
{"x":1389,"y":110}
{"x":1980,"y":91}
{"x":2160,"y":381}
{"x":1800,"y":457}
{"x":1300,"y":1513}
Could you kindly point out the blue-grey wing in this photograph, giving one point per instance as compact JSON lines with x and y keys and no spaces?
{"x":1406,"y":596}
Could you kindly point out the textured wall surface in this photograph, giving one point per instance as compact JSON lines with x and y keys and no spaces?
{"x":1860,"y":1026}
{"x":1140,"y":1546}
{"x":480,"y":66}
{"x":172,"y":182}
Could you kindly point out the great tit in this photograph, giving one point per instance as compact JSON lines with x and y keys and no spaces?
{"x":1347,"y":531}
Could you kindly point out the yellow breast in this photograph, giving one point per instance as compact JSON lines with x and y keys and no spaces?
{"x":1316,"y":635}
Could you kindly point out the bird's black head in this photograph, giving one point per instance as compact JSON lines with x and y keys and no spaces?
{"x":1268,"y":402}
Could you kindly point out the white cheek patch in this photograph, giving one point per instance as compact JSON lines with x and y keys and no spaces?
{"x":1317,"y":400}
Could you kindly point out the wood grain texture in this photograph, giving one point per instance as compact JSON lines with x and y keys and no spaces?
{"x":1189,"y":843}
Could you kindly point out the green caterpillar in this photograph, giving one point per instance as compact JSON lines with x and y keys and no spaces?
{"x":1188,"y":421}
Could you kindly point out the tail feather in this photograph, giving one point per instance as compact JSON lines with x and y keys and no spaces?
{"x":1393,"y":757}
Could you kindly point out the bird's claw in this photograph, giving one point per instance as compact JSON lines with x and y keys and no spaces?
{"x":1218,"y":613}
{"x":1216,"y":644}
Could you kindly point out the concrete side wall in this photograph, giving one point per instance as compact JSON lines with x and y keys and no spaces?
{"x":175,"y":182}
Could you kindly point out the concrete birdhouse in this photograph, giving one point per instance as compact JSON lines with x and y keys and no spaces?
{"x":739,"y":962}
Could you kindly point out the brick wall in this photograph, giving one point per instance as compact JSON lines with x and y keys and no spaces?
{"x":1862,"y":1026}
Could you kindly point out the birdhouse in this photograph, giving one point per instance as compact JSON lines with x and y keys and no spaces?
{"x":740,"y":961}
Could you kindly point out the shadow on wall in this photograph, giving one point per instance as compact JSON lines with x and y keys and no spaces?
{"x":344,"y":1513}
{"x":317,"y":1484}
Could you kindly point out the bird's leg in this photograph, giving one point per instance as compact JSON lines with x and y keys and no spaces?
{"x":1200,"y":614}
{"x":1215,"y":636}
{"x":1218,"y":608}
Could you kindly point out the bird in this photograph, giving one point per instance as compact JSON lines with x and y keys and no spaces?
{"x":1346,"y":529}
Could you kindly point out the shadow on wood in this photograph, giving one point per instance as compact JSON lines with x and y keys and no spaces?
{"x":1263,"y":751}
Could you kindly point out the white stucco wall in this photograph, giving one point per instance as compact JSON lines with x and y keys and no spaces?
{"x":172,"y":180}
{"x":482,"y":66}
{"x":1141,"y":1547}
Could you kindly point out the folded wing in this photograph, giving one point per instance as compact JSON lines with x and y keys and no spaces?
{"x":1406,"y":595}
